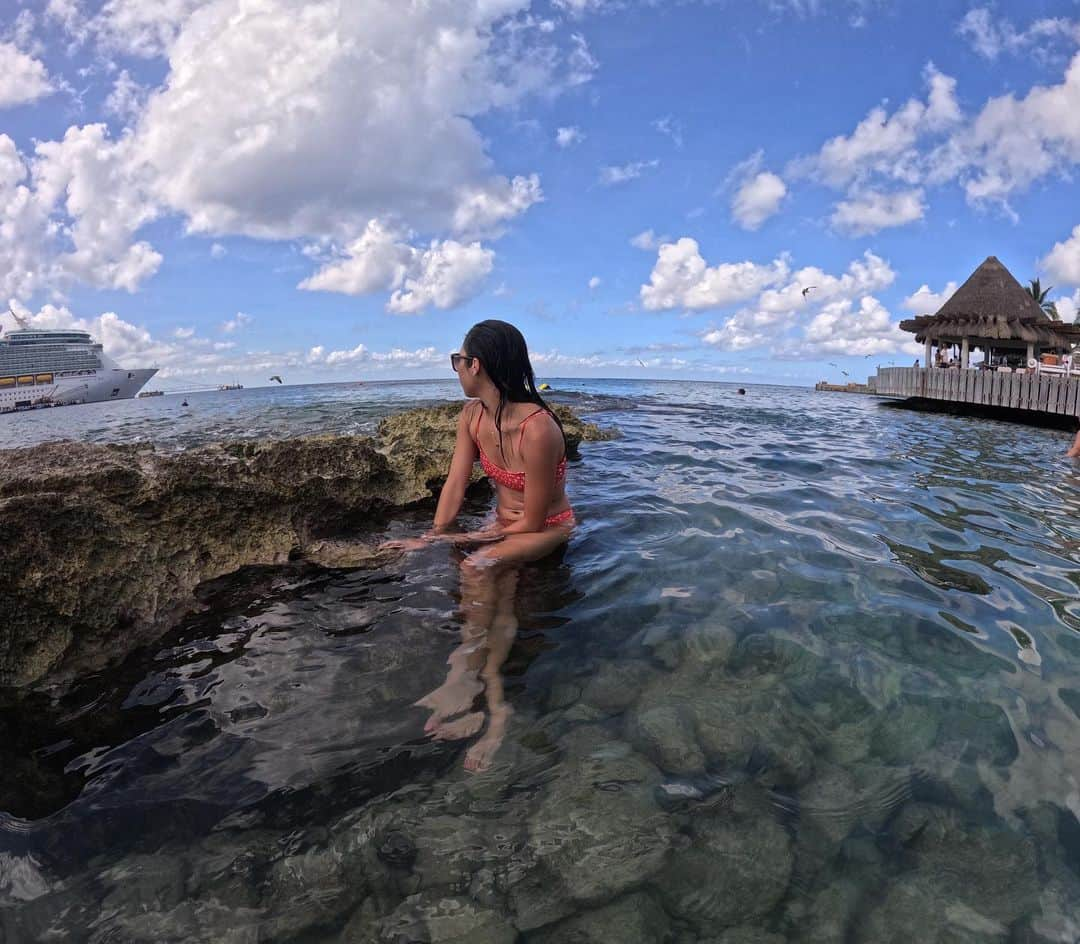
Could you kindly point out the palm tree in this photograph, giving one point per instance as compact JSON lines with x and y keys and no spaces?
{"x":1036,"y":291}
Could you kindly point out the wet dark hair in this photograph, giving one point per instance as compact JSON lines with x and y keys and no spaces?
{"x":505,"y":356}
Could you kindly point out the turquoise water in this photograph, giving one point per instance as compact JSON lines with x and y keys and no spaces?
{"x":809,"y":670}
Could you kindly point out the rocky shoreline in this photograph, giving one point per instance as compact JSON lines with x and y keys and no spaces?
{"x":105,"y":545}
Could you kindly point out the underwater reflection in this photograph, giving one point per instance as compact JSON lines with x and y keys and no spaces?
{"x":494,"y":596}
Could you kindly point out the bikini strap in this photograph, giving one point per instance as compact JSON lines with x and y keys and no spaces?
{"x":521,"y":427}
{"x":476,"y":431}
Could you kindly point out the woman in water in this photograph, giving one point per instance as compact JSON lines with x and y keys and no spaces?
{"x":508,"y":427}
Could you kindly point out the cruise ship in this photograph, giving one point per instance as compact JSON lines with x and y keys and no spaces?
{"x":47,"y":367}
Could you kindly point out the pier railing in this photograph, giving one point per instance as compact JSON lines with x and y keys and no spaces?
{"x":1046,"y":393}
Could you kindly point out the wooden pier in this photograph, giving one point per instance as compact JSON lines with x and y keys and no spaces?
{"x":1042,"y":393}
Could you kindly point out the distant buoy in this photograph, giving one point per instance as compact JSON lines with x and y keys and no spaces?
{"x":741,"y":390}
{"x":184,"y":403}
{"x":545,"y":386}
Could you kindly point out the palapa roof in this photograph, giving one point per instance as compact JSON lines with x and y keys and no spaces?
{"x":991,"y":304}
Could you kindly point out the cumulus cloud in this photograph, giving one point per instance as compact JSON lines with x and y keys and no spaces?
{"x":884,"y":144}
{"x":1068,"y":306}
{"x":843,"y":317}
{"x":1062,"y":263}
{"x":594,"y":283}
{"x":444,"y":274}
{"x":481,"y":209}
{"x":648,"y":240}
{"x":758,"y":195}
{"x":565,"y":137}
{"x":234,"y":139}
{"x":395,"y":87}
{"x":871,"y":211}
{"x":682,"y":279}
{"x":611,"y":175}
{"x":71,"y":212}
{"x":842,"y":327}
{"x":23,"y":79}
{"x":925,"y":302}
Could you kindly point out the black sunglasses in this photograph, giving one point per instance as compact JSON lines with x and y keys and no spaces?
{"x":456,"y":359}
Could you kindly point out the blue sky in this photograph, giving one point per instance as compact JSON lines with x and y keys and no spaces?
{"x":231,"y":189}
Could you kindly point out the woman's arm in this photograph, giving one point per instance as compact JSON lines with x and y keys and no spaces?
{"x":542,"y":447}
{"x":457,"y":479}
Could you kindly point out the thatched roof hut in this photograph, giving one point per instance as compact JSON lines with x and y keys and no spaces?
{"x":991,"y":306}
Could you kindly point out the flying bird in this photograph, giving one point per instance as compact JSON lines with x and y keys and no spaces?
{"x":845,"y":373}
{"x":641,"y":362}
{"x":806,"y":291}
{"x":831,"y":364}
{"x":277,"y":378}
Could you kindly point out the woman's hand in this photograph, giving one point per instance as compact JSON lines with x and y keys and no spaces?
{"x":403,"y":544}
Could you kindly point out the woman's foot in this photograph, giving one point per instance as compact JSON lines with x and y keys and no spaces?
{"x":481,"y":755}
{"x":454,"y":697}
{"x":1075,"y":450}
{"x":460,"y":728}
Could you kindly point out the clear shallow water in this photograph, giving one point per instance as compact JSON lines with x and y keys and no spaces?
{"x":810,"y":668}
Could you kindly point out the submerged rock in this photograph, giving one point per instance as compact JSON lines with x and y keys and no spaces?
{"x":104,"y":545}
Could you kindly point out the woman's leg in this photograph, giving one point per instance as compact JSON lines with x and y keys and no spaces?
{"x":489,"y":585}
{"x":501,"y":637}
{"x":1075,"y":450}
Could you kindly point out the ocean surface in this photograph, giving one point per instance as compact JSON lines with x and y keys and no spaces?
{"x":808,"y":670}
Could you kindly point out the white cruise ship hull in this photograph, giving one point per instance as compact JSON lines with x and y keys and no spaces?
{"x":109,"y":383}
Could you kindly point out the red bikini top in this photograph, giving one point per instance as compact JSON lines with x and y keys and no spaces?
{"x":512,"y":480}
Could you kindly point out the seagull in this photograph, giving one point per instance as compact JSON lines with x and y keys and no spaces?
{"x":277,"y":378}
{"x":845,"y":373}
{"x":806,"y":291}
{"x":641,"y":362}
{"x":831,"y":364}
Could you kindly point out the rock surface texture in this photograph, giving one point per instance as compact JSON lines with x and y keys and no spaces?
{"x":104,"y":545}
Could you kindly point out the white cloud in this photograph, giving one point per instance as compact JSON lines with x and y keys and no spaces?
{"x":234,"y":139}
{"x":235,"y":324}
{"x":395,"y":87}
{"x":71,"y":212}
{"x":192,"y":358}
{"x":991,"y":37}
{"x":23,"y":79}
{"x":144,"y":28}
{"x":1068,"y":306}
{"x":594,"y":283}
{"x":758,"y":198}
{"x":565,"y":137}
{"x":870,"y":211}
{"x":1013,"y":142}
{"x":612,"y":175}
{"x":127,"y":98}
{"x":925,"y":302}
{"x":578,"y":8}
{"x":1062,"y":263}
{"x":648,"y":240}
{"x":671,"y":128}
{"x":842,"y":328}
{"x":92,"y":178}
{"x":884,"y":144}
{"x":481,"y":209}
{"x":218,"y":251}
{"x":681,"y":279}
{"x":849,"y":319}
{"x":443,"y":275}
